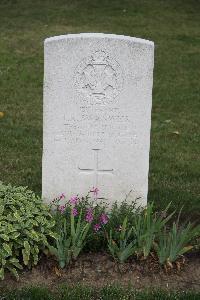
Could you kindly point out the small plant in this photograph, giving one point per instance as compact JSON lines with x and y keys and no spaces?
{"x":25,"y":228}
{"x":78,"y":215}
{"x":146,"y":226}
{"x":79,"y":232}
{"x":62,"y":248}
{"x":175,"y":242}
{"x":69,"y":245}
{"x":122,"y":248}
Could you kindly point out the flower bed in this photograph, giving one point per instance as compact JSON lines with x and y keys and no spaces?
{"x":68,"y":228}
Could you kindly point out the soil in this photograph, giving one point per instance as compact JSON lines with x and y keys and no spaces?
{"x":99,"y":269}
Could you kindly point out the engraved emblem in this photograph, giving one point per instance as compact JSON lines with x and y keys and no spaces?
{"x":99,"y":78}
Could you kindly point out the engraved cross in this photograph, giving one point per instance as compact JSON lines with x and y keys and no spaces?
{"x":96,"y":170}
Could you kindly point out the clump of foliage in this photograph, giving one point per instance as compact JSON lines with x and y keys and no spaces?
{"x":145,"y":231}
{"x":175,"y":242}
{"x":25,"y":226}
{"x":122,"y":248}
{"x":117,"y":212}
{"x":61,"y":249}
{"x":146,"y":226}
{"x":136,"y":236}
{"x":84,"y":223}
{"x":70,"y":226}
{"x":77,"y":220}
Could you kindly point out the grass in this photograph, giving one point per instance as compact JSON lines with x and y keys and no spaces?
{"x":86,"y":293}
{"x":174,"y":26}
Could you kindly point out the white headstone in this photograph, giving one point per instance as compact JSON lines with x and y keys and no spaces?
{"x":97,"y":115}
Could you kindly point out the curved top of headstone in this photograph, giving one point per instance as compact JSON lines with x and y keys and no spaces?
{"x":99,"y":35}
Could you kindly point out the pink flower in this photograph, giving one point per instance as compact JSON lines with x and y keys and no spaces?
{"x":95,"y":191}
{"x":62,"y":196}
{"x":97,"y":227}
{"x":89,"y":215}
{"x":61,"y":208}
{"x":75,"y":212}
{"x":73,"y":200}
{"x":104,"y":219}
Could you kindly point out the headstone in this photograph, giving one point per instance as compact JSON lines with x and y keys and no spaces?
{"x":97,"y":115}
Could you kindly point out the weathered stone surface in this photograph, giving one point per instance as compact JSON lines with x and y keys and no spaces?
{"x":97,"y":115}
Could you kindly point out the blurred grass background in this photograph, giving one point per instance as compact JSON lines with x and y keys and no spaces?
{"x":110,"y":292}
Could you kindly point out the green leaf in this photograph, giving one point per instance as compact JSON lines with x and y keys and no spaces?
{"x":2,"y":273}
{"x":35,"y":258}
{"x":25,"y":257}
{"x":5,"y":237}
{"x":27,"y":247}
{"x":14,"y":261}
{"x":7,"y":248}
{"x":53,"y":235}
{"x":35,"y":251}
{"x":34,"y":235}
{"x":1,"y":209}
{"x":14,"y":235}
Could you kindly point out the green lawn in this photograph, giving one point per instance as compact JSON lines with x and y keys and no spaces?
{"x":174,"y":26}
{"x":86,"y":293}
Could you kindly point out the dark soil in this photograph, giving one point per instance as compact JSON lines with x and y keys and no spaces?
{"x":99,"y":269}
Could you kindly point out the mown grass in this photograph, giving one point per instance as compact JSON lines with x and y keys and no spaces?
{"x":86,"y":293}
{"x":174,"y":26}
